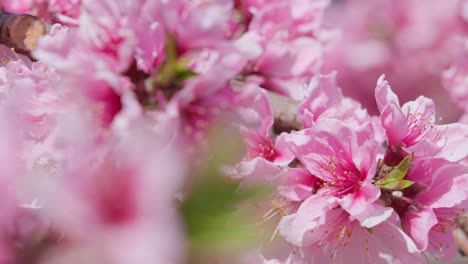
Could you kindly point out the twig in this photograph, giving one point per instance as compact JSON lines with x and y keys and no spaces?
{"x":20,"y":32}
{"x":460,"y":234}
{"x":285,"y":113}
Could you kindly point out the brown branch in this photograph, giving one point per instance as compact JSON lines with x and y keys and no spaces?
{"x":460,"y":234}
{"x":20,"y":32}
{"x":285,"y":112}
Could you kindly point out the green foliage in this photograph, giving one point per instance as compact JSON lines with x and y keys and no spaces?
{"x":395,"y":179}
{"x":395,"y":185}
{"x":211,"y":211}
{"x":174,"y":69}
{"x":181,"y":73}
{"x":400,"y":171}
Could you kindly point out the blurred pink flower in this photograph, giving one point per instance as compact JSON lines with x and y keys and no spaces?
{"x":50,"y":11}
{"x":109,"y":184}
{"x":34,"y":89}
{"x":95,"y":76}
{"x":22,"y":6}
{"x":456,"y":81}
{"x":195,"y":24}
{"x":265,"y":153}
{"x":103,"y":132}
{"x":290,"y":43}
{"x":412,"y":42}
{"x":206,"y":97}
{"x":324,"y":99}
{"x":21,"y":225}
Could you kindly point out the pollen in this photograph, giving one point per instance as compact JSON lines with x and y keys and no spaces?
{"x":280,"y":209}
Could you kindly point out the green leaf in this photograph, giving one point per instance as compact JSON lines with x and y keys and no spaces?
{"x":181,"y":71}
{"x":395,"y":185}
{"x":389,"y":184}
{"x":400,"y":171}
{"x":181,"y":64}
{"x":184,"y":74}
{"x":171,"y":50}
{"x":405,"y":184}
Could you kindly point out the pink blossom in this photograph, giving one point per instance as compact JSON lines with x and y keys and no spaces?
{"x":464,"y":119}
{"x":324,"y":99}
{"x":102,"y":134}
{"x":7,"y":55}
{"x":291,"y":46}
{"x":125,"y":30}
{"x":117,"y":32}
{"x":253,"y":6}
{"x":21,"y":226}
{"x":195,"y":24}
{"x":267,"y":154}
{"x":121,"y":35}
{"x":110,"y":27}
{"x":258,"y":140}
{"x":215,"y":68}
{"x":66,"y":11}
{"x":42,"y":102}
{"x":297,"y":184}
{"x":345,"y":162}
{"x":35,"y":90}
{"x":22,"y":6}
{"x":112,"y":190}
{"x":333,"y":236}
{"x":95,"y":76}
{"x":208,"y":95}
{"x":412,"y":43}
{"x":50,"y":11}
{"x":412,"y":127}
{"x":429,"y":207}
{"x":455,"y":81}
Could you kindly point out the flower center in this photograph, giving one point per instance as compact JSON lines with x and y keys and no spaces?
{"x":343,"y":177}
{"x":264,"y":148}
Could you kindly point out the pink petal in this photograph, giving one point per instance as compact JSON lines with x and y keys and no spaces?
{"x":394,"y":122}
{"x":254,"y":171}
{"x":356,"y":204}
{"x":456,"y":146}
{"x":296,"y":228}
{"x":441,"y":239}
{"x":151,"y":47}
{"x":345,"y":241}
{"x":418,"y":224}
{"x":284,"y":154}
{"x":324,"y":93}
{"x":384,"y":94}
{"x":449,"y":186}
{"x":297,"y":184}
{"x":374,"y":214}
{"x":422,"y":108}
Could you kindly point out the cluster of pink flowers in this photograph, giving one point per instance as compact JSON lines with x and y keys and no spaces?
{"x":455,"y":79}
{"x":412,"y":42}
{"x":104,"y":129}
{"x":383,"y":191}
